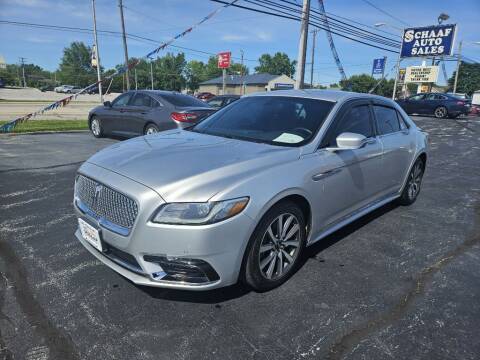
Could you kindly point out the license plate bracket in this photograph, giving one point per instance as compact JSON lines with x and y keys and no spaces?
{"x":90,"y":234}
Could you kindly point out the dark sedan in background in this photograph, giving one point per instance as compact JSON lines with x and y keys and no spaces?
{"x":145,"y":112}
{"x":439,"y":105}
{"x":222,"y":100}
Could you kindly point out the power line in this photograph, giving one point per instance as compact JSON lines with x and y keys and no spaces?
{"x":385,"y":12}
{"x":296,"y":18}
{"x":342,"y":27}
{"x":131,"y":36}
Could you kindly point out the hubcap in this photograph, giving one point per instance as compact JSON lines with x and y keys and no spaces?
{"x":279,"y":247}
{"x":415,"y":179}
{"x":151,"y":130}
{"x":95,"y":127}
{"x":440,"y":112}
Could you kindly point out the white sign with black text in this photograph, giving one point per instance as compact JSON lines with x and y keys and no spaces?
{"x":421,"y":74}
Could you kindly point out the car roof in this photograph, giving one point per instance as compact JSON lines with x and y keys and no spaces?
{"x":327,"y":95}
{"x":226,"y":96}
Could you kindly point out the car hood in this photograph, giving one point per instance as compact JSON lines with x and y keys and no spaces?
{"x":187,"y":166}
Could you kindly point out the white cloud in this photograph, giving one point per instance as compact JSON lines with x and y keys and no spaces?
{"x":233,"y":37}
{"x":264,"y":36}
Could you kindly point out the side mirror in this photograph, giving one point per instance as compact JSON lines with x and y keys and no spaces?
{"x":107,"y":104}
{"x":349,"y":141}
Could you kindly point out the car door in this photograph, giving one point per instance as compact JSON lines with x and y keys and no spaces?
{"x":397,"y":141}
{"x":347,"y":180}
{"x":416,"y":104}
{"x":137,"y":113}
{"x":112,"y":119}
{"x":431,"y":102}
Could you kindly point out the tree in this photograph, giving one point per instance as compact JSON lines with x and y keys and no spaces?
{"x":468,"y":78}
{"x":358,"y":83}
{"x":195,"y":73}
{"x":75,"y":67}
{"x":35,"y":76}
{"x":169,"y":71}
{"x":277,"y":64}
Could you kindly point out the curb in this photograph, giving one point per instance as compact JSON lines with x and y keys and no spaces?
{"x":45,"y":132}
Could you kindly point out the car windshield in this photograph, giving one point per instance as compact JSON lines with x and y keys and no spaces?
{"x":276,"y":120}
{"x":183,"y":100}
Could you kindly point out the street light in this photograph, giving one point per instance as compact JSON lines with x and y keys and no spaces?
{"x":443,"y":17}
{"x":380,"y":24}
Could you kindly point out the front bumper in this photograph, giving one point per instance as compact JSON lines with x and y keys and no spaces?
{"x":151,"y":253}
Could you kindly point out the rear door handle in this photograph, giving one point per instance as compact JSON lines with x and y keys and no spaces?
{"x":325,"y":174}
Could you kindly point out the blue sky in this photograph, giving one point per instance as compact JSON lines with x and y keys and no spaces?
{"x":231,"y":30}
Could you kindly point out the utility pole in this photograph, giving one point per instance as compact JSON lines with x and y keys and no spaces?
{"x":151,"y":71}
{"x":314,"y":32}
{"x":242,"y":89}
{"x":22,"y":61}
{"x":136,"y":82}
{"x":302,"y":45}
{"x":224,"y":80}
{"x":127,"y":73}
{"x":459,"y":60}
{"x":97,"y":53}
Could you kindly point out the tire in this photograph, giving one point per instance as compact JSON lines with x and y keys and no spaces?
{"x":271,"y":262}
{"x":151,"y":129}
{"x":414,"y":181}
{"x":441,"y":112}
{"x":96,"y":127}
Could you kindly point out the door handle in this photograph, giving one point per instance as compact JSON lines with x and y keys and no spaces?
{"x":325,"y":174}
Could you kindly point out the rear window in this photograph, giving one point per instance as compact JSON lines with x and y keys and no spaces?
{"x":181,"y":100}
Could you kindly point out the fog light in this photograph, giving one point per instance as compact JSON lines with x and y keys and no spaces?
{"x":184,"y":270}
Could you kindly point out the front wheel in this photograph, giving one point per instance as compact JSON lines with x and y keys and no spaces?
{"x":96,"y":127}
{"x":276,"y":247}
{"x":414,"y":182}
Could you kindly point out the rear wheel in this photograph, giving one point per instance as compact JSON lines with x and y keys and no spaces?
{"x":151,"y":129}
{"x":96,"y":127}
{"x":414,"y":182}
{"x":276,"y":247}
{"x":441,"y":112}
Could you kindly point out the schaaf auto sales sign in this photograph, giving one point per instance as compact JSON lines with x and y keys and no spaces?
{"x":428,"y":41}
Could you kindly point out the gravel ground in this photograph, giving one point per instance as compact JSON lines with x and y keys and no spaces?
{"x":400,"y":283}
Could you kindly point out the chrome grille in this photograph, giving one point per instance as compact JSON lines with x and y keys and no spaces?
{"x":105,"y":203}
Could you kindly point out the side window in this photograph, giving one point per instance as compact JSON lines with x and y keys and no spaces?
{"x":432,"y":97}
{"x":122,"y":100}
{"x":356,"y":120}
{"x":141,"y":100}
{"x":402,"y":122}
{"x":418,"y":97}
{"x":386,"y":118}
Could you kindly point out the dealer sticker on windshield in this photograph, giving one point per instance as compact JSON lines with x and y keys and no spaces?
{"x":90,"y":234}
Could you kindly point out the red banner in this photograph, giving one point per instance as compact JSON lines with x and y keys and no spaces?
{"x":224,"y":60}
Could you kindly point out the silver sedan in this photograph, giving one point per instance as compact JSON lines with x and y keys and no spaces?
{"x":240,"y":195}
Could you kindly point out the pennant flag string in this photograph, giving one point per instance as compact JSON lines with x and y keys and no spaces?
{"x":10,"y":126}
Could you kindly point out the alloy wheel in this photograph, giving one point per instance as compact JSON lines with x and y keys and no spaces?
{"x":151,"y":130}
{"x":279,"y":247}
{"x":440,"y":112}
{"x":415,"y":180}
{"x":95,"y":127}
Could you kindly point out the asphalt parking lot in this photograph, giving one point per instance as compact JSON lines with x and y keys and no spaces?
{"x":400,"y":283}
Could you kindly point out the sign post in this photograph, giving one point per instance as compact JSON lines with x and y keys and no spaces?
{"x":224,"y":64}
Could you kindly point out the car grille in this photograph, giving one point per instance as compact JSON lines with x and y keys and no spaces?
{"x":105,"y":204}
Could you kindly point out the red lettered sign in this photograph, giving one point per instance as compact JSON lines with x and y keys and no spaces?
{"x":224,"y":60}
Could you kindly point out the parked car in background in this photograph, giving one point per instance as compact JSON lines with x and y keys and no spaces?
{"x":222,"y":100}
{"x":2,"y":83}
{"x":240,"y":195}
{"x":146,"y":111}
{"x":66,"y":89}
{"x":439,"y":105}
{"x":204,"y":96}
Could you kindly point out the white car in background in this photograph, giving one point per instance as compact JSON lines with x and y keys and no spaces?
{"x":66,"y":89}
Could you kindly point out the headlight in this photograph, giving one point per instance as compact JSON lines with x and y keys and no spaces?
{"x":199,"y":213}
